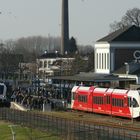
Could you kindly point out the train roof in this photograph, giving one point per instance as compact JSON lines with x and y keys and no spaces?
{"x":100,"y":90}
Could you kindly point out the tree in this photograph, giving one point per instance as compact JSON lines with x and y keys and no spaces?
{"x":79,"y":65}
{"x":131,"y":17}
{"x":72,"y":45}
{"x":90,"y":61}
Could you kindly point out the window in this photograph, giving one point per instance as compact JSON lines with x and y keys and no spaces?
{"x":117,"y":102}
{"x":102,"y":61}
{"x":134,"y":102}
{"x":108,"y":61}
{"x":73,"y":96}
{"x":129,"y":101}
{"x":107,"y":99}
{"x":97,"y":60}
{"x":105,"y":61}
{"x":1,"y":89}
{"x":40,"y":64}
{"x":49,"y":63}
{"x":97,"y":100}
{"x":45,"y":64}
{"x":82,"y":98}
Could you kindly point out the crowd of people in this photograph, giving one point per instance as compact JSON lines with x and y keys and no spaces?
{"x":35,"y":100}
{"x":29,"y":100}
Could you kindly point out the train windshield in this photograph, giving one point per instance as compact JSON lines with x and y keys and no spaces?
{"x":133,"y":102}
{"x":1,"y":89}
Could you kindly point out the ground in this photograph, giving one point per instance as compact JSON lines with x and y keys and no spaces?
{"x":23,"y":133}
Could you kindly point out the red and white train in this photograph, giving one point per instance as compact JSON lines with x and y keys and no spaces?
{"x":116,"y":102}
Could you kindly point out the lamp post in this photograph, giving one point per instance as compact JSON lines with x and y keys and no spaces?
{"x":66,"y":68}
{"x":127,"y":71}
{"x":37,"y":78}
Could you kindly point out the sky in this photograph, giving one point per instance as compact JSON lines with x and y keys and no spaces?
{"x":89,"y":20}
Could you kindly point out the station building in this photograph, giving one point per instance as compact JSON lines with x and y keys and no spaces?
{"x":117,"y":58}
{"x":116,"y":61}
{"x":119,"y":53}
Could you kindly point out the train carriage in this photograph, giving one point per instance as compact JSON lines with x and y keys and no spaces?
{"x":3,"y":99}
{"x":81,"y":99}
{"x":3,"y":90}
{"x":117,"y":102}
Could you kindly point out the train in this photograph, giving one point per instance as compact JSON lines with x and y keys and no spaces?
{"x":110,"y":101}
{"x":4,"y":102}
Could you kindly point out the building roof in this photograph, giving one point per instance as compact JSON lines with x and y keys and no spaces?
{"x":126,"y":34}
{"x":50,"y":55}
{"x":92,"y":77}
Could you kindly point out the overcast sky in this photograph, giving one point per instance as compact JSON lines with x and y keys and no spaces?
{"x":89,"y":19}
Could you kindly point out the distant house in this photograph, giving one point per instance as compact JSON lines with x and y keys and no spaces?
{"x":51,"y":64}
{"x":117,"y":49}
{"x":27,"y":70}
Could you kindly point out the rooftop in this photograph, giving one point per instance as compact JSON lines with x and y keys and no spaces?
{"x":127,"y":34}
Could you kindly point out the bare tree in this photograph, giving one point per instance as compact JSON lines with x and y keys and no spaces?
{"x":85,"y":50}
{"x":131,"y":17}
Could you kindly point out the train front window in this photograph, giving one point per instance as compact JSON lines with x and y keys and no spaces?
{"x":132,"y":102}
{"x":1,"y":90}
{"x":135,"y":103}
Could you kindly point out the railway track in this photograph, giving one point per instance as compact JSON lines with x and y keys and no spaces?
{"x":106,"y":120}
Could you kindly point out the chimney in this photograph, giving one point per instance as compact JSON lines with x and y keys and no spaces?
{"x":65,"y":27}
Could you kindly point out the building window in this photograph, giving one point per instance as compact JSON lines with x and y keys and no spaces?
{"x":105,"y":60}
{"x":108,"y":61}
{"x":40,"y":64}
{"x":97,"y":60}
{"x":102,"y":61}
{"x":45,"y":64}
{"x":49,"y":63}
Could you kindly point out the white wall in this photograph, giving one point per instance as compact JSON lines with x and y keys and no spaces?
{"x":102,"y":58}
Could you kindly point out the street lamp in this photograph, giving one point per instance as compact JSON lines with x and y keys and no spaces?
{"x":127,"y":67}
{"x":127,"y":71}
{"x":37,"y":82}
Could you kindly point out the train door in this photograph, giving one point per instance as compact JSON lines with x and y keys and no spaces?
{"x":125,"y":106}
{"x":108,"y":103}
{"x":99,"y":100}
{"x":118,"y":105}
{"x":74,"y":97}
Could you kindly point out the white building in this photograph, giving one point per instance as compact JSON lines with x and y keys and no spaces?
{"x":119,"y":53}
{"x":50,"y":64}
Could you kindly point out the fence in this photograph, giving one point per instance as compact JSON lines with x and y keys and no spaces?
{"x":67,"y":129}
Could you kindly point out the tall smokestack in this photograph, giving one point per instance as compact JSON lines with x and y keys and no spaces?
{"x":65,"y":27}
